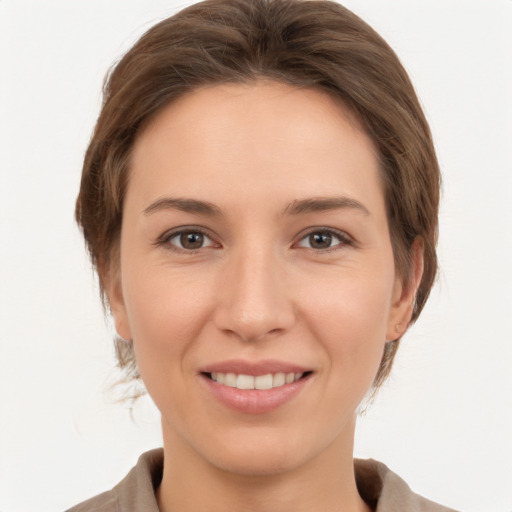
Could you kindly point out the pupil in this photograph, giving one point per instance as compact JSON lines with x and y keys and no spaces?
{"x":192,"y":240}
{"x":320,"y":240}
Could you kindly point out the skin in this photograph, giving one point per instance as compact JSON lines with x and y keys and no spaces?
{"x":257,"y":287}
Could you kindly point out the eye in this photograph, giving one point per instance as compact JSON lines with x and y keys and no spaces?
{"x":188,"y":240}
{"x":324,"y":239}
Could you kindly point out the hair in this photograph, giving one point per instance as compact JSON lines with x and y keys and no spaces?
{"x":303,"y":43}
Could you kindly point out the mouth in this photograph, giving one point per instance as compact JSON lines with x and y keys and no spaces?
{"x":255,"y":387}
{"x":260,"y":382}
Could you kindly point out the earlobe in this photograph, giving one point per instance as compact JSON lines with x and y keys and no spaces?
{"x":404,"y":295}
{"x":120,"y":317}
{"x":113,"y":288}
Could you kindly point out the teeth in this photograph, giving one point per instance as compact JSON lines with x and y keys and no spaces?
{"x":230,"y":380}
{"x":263,"y":381}
{"x":243,"y":382}
{"x":279,"y":379}
{"x":267,"y":381}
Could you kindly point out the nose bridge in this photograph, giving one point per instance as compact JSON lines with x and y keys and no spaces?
{"x":252,"y":300}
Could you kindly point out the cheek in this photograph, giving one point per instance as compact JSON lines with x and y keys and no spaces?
{"x":166,"y":320}
{"x":350,"y":319}
{"x":166,"y":314}
{"x":354,"y":306}
{"x":160,"y":299}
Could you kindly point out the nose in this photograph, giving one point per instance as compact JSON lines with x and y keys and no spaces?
{"x":252,"y":302}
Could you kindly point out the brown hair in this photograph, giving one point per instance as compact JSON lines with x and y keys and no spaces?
{"x":313,"y":44}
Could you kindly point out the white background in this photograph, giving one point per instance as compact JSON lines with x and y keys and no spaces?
{"x":443,"y":420}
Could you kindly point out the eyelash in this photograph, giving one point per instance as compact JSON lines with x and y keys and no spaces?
{"x":343,"y":239}
{"x":165,"y":240}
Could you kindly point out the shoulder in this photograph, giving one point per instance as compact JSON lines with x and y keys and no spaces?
{"x":386,"y":491}
{"x":135,"y":492}
{"x":104,"y":502}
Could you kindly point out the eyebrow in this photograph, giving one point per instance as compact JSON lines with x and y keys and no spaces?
{"x":322,"y":204}
{"x":297,"y":207}
{"x":183,"y":204}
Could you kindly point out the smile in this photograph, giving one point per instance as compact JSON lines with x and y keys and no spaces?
{"x":261,"y":382}
{"x":255,"y":387}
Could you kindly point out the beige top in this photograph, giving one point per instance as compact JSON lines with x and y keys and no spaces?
{"x":378,"y":486}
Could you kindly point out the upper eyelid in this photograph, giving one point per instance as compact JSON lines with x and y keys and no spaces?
{"x":170,"y":233}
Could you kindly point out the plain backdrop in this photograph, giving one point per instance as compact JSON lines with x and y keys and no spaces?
{"x":444,"y":419}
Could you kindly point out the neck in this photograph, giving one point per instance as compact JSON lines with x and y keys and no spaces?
{"x":326,"y":483}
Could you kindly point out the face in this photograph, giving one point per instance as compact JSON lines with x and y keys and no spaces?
{"x":257,"y":278}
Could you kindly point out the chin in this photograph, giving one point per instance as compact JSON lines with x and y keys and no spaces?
{"x":265,"y":454}
{"x":258,"y":463}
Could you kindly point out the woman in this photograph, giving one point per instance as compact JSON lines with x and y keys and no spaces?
{"x":260,"y":201}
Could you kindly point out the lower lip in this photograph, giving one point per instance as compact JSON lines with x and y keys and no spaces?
{"x":255,"y":401}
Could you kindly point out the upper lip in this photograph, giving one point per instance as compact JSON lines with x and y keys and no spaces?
{"x":253,"y":368}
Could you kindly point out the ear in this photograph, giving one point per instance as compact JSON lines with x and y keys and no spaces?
{"x":404,"y":294}
{"x":111,"y":280}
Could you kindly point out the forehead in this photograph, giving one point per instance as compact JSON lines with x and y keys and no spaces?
{"x":262,"y":137}
{"x":263,"y":103}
